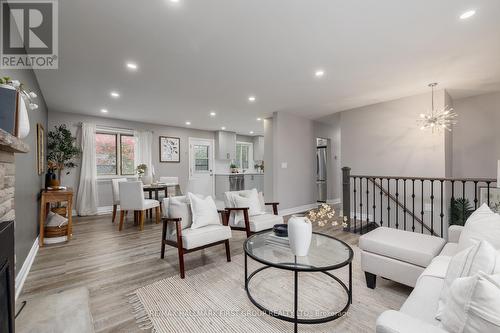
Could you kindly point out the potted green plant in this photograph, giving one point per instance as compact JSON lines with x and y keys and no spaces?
{"x":234,"y":168}
{"x":460,"y":210}
{"x":141,"y":169}
{"x":62,"y":150}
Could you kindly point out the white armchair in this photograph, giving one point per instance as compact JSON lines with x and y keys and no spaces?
{"x":132,"y":198}
{"x":251,"y":217}
{"x":178,"y":232}
{"x":115,"y":191}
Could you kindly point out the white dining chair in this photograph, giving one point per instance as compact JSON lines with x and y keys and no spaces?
{"x":132,"y":198}
{"x":115,"y":191}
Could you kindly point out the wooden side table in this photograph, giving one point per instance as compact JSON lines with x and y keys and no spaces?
{"x":54,"y":196}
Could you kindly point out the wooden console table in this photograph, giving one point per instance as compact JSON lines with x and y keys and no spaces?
{"x":54,"y":196}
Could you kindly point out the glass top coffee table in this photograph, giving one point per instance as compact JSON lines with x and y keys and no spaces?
{"x":325,"y":254}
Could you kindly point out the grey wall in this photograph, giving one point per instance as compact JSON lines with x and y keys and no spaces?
{"x":291,"y":139}
{"x":28,"y":182}
{"x":180,"y":170}
{"x":384,"y":139}
{"x":269,"y":184}
{"x":295,"y":144}
{"x":476,"y":137}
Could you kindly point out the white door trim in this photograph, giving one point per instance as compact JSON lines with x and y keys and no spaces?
{"x":212,"y":160}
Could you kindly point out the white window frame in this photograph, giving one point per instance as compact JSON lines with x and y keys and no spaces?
{"x":250,"y":154}
{"x":118,"y":133}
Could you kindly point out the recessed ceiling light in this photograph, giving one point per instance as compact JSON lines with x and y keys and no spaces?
{"x":251,"y":132}
{"x":212,"y":114}
{"x":259,"y":119}
{"x":252,"y":98}
{"x":114,"y":94}
{"x":132,"y":66}
{"x":104,"y":110}
{"x":174,"y":1}
{"x":319,"y":73}
{"x":188,"y":123}
{"x":467,"y":14}
{"x":223,"y":128}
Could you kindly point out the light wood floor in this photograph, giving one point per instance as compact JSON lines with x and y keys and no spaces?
{"x":112,"y":264}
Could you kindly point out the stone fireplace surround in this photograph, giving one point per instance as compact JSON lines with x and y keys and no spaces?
{"x":9,"y":146}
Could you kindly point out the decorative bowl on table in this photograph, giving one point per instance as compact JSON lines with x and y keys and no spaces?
{"x":280,"y":230}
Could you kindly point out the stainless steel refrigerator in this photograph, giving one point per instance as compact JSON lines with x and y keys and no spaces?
{"x":321,"y":171}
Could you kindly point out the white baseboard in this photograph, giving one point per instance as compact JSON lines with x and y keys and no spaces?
{"x":298,"y":209}
{"x":25,"y":269}
{"x":100,"y":210}
{"x":104,"y":210}
{"x":303,"y":208}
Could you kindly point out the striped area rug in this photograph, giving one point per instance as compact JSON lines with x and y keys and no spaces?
{"x":214,"y":300}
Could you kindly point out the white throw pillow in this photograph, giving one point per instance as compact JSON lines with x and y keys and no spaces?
{"x":479,"y":257}
{"x":179,"y":207}
{"x":55,"y":220}
{"x":251,"y":200}
{"x":257,"y":200}
{"x":204,"y":211}
{"x":473,"y":305}
{"x":483,"y":224}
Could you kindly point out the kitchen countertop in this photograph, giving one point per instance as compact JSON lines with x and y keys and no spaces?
{"x":241,"y":173}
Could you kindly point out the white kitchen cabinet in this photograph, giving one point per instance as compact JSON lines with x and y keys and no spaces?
{"x":225,"y":145}
{"x":258,"y":148}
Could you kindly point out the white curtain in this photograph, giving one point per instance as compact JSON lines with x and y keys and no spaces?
{"x":143,"y":148}
{"x":86,"y":201}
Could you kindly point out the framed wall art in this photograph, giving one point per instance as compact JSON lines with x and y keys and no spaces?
{"x":40,"y":149}
{"x":170,"y":149}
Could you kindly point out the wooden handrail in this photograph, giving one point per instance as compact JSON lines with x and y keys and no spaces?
{"x":396,"y":201}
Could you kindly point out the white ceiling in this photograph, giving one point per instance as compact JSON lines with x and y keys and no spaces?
{"x":201,"y":55}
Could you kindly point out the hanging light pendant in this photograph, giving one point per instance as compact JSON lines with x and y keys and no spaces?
{"x":437,"y":120}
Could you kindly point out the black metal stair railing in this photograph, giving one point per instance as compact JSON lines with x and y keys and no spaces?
{"x":417,"y":204}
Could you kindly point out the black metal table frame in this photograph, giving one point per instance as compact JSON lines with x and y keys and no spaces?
{"x":156,"y":190}
{"x":296,"y":271}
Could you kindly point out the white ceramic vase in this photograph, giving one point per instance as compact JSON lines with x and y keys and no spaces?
{"x":299,"y":235}
{"x":23,"y":128}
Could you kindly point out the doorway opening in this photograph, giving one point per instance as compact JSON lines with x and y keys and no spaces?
{"x":201,"y":160}
{"x":321,"y":169}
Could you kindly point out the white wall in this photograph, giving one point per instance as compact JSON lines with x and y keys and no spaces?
{"x":476,"y":137}
{"x":180,"y":170}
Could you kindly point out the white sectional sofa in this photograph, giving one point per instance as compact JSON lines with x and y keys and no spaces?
{"x":398,"y":255}
{"x":469,"y":290}
{"x":418,"y":313}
